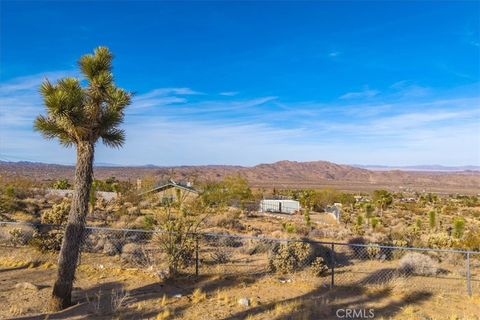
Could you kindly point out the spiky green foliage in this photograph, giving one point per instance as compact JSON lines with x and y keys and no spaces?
{"x":76,"y":113}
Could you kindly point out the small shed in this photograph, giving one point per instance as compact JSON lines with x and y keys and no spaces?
{"x":279,"y":205}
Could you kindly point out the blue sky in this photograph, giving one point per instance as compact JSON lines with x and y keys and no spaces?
{"x":393,"y":83}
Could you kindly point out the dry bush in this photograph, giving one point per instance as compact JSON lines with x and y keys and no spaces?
{"x":417,"y":264}
{"x":119,"y":299}
{"x":221,"y":255}
{"x":133,"y":253}
{"x":254,"y":246}
{"x":16,"y":236}
{"x":229,"y":220}
{"x":319,"y":267}
{"x":47,"y":241}
{"x":58,"y":214}
{"x":289,"y":257}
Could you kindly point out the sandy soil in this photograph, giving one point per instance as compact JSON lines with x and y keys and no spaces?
{"x":103,"y":290}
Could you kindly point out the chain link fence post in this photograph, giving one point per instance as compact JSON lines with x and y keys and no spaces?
{"x":469,"y":283}
{"x":196,"y":255}
{"x":332,"y":284}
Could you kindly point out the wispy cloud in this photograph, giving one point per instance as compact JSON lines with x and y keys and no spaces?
{"x":367,"y":93}
{"x":334,"y":54}
{"x":228,"y":93}
{"x":182,"y":126}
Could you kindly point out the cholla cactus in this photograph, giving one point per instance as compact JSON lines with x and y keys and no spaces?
{"x":57,"y":214}
{"x":439,"y":241}
{"x":319,"y":267}
{"x":289,"y":257}
{"x":373,"y":251}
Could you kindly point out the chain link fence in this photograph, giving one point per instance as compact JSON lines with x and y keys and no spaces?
{"x":336,"y":264}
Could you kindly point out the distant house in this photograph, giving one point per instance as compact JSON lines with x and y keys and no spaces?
{"x":279,"y":205}
{"x":170,"y":191}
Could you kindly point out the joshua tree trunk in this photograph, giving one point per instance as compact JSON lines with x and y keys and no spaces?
{"x":74,"y":231}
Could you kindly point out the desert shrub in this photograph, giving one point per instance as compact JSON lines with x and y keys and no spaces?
{"x":133,"y":253}
{"x":176,"y":240}
{"x":47,"y":241}
{"x":18,"y":237}
{"x":221,"y":255}
{"x":149,"y":222}
{"x":256,"y":246}
{"x":288,"y":227}
{"x":230,"y":220}
{"x":58,"y":214}
{"x":289,"y":257}
{"x":62,"y":184}
{"x":358,"y":230}
{"x":10,"y":204}
{"x":398,"y":253}
{"x":432,"y":219}
{"x":319,"y":267}
{"x":458,"y":227}
{"x":373,"y":251}
{"x":439,"y":241}
{"x":112,"y":247}
{"x":229,"y":242}
{"x":307,"y":218}
{"x":417,"y":264}
{"x":471,"y":239}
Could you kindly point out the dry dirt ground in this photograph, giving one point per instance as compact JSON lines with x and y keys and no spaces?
{"x":103,"y":290}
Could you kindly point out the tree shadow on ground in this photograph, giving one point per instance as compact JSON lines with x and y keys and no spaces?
{"x":324,"y":303}
{"x":13,"y":268}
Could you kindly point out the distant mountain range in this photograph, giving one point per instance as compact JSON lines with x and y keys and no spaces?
{"x":281,"y":174}
{"x":436,"y":167}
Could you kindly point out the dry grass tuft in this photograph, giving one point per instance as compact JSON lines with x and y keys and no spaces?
{"x":164,"y":315}
{"x":285,"y":308}
{"x":198,"y":296}
{"x":222,"y":296}
{"x":15,"y":311}
{"x":10,"y":262}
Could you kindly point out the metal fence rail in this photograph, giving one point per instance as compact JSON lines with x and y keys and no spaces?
{"x":336,"y":264}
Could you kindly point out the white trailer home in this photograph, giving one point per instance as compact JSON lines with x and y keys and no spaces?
{"x":279,"y":205}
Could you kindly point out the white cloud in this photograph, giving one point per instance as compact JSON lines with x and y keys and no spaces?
{"x":228,"y":93}
{"x":367,"y":93}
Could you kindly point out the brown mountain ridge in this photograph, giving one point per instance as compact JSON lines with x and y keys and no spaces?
{"x":281,"y":174}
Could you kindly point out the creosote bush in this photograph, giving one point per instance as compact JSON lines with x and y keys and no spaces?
{"x":417,"y":264}
{"x":289,"y":257}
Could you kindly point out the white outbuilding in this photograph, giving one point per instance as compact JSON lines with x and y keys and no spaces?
{"x":279,"y":205}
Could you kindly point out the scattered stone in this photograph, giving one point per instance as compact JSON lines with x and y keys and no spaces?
{"x":177,"y":295}
{"x":285,"y":280}
{"x":244,"y":302}
{"x":27,"y":286}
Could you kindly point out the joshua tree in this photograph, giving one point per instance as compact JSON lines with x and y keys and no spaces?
{"x":80,"y":116}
